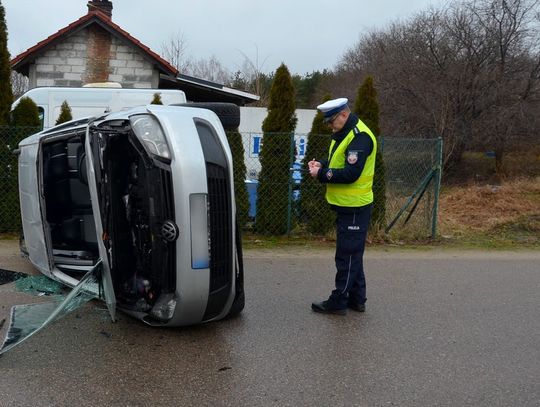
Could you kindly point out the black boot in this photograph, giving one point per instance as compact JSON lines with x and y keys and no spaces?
{"x":324,"y":308}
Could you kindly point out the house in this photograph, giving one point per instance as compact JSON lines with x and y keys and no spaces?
{"x":94,"y":49}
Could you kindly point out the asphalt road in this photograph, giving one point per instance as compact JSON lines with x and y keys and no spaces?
{"x":441,"y":329}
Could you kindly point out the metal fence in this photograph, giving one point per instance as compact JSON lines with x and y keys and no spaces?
{"x":411,"y":185}
{"x":9,"y":199}
{"x":412,"y":181}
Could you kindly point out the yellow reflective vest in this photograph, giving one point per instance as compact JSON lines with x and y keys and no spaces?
{"x":360,"y":192}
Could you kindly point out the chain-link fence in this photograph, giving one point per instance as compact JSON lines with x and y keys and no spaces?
{"x":10,"y":220}
{"x":281,"y":192}
{"x":406,"y":187}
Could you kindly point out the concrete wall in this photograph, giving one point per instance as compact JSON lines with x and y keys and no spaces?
{"x":128,"y":66}
{"x":61,"y":65}
{"x":93,"y":55}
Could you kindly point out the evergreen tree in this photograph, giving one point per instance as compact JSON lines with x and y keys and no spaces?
{"x":314,"y":211}
{"x":26,"y":114}
{"x":239,"y":165}
{"x":6,"y":93}
{"x":367,"y":109}
{"x":306,"y":87}
{"x":65,"y":113}
{"x":157,"y":99}
{"x":26,"y":117}
{"x":275,"y":156}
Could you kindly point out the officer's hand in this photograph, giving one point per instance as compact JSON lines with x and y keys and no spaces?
{"x":315,"y":164}
{"x":314,"y":167}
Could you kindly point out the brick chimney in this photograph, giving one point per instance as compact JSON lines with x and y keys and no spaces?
{"x":104,"y":6}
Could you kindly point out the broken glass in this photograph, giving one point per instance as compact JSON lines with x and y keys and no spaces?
{"x":26,"y":320}
{"x":38,"y":285}
{"x":8,"y":276}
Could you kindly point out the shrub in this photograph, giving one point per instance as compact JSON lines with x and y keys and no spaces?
{"x":275,"y":156}
{"x":157,"y":99}
{"x":240,"y":191}
{"x":65,"y":113}
{"x":367,"y":109}
{"x":314,"y":211}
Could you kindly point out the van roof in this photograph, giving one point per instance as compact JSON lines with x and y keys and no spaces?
{"x":41,"y":92}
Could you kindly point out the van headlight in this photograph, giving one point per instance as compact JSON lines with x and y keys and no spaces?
{"x":163,"y":309}
{"x":148,"y":130}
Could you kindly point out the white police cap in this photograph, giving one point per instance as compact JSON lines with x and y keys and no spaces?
{"x":331,"y":107}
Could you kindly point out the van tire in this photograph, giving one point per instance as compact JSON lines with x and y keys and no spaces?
{"x":239,"y":301}
{"x":228,"y":113}
{"x":237,"y":305}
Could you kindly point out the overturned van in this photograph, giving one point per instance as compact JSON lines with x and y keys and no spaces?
{"x":147,"y":196}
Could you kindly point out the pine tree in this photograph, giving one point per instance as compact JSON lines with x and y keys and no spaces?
{"x":367,"y":109}
{"x":275,"y":156}
{"x":314,"y":211}
{"x":26,"y":114}
{"x":6,"y":93}
{"x":239,"y":165}
{"x":65,"y":113}
{"x":157,"y":99}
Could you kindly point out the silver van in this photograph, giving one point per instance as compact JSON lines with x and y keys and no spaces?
{"x":146,"y":196}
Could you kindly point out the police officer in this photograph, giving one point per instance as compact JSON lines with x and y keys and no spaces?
{"x":348,"y":175}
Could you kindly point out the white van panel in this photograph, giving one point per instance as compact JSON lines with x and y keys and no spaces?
{"x":86,"y":102}
{"x":78,"y":112}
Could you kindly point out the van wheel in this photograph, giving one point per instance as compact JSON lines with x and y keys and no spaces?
{"x":237,"y":305}
{"x":228,"y":113}
{"x":239,"y":301}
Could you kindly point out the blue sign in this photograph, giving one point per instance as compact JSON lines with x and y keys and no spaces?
{"x":255,"y":145}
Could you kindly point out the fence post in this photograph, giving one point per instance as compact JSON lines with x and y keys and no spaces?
{"x":291,"y":180}
{"x":438,"y":176}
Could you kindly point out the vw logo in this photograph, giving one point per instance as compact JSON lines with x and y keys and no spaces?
{"x":169,"y":231}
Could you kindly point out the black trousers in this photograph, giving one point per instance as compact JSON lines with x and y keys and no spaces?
{"x":352,"y":226}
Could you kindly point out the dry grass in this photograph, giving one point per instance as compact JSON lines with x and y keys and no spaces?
{"x":488,"y":207}
{"x":505,"y":216}
{"x":476,"y":167}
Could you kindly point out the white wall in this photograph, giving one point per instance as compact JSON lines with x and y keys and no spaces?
{"x":251,"y":119}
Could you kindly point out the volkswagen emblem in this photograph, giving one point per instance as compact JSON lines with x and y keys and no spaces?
{"x":169,"y":231}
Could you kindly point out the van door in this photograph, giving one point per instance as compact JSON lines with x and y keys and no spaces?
{"x":94,"y":164}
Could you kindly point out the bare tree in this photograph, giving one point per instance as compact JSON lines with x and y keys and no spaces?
{"x":19,"y":84}
{"x":511,"y":30}
{"x":210,"y":69}
{"x":174,"y":51}
{"x":252,"y":76}
{"x":468,"y":73}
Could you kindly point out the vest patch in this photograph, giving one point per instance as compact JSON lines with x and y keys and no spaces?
{"x":353,"y":227}
{"x":352,"y":157}
{"x":329,"y":174}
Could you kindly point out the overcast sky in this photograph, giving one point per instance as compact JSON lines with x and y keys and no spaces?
{"x":305,"y":35}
